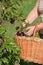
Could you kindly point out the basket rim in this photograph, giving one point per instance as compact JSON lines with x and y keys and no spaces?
{"x":29,"y":38}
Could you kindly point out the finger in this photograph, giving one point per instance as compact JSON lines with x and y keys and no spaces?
{"x":28,"y":33}
{"x":29,"y":28}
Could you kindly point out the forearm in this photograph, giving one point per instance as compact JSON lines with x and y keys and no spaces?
{"x":31,"y":17}
{"x":33,"y":14}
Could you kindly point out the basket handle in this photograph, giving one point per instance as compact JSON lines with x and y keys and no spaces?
{"x":35,"y":30}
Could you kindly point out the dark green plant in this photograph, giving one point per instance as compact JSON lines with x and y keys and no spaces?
{"x":10,"y":9}
{"x":22,"y":62}
{"x":8,"y":13}
{"x":9,"y":51}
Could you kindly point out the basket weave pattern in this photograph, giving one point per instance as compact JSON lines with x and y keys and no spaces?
{"x":31,"y":50}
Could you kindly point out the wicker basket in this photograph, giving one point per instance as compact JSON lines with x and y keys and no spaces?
{"x":31,"y":48}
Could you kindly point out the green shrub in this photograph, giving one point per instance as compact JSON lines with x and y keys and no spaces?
{"x":9,"y":51}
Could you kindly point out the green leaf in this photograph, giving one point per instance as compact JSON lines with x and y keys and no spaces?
{"x":5,"y":60}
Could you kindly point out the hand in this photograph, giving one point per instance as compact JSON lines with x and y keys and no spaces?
{"x":29,"y":30}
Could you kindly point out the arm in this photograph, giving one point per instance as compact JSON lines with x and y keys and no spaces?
{"x":33,"y":14}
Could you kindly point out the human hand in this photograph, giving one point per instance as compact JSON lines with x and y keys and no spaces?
{"x":30,"y":30}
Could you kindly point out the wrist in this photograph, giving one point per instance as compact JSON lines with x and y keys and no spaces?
{"x":26,"y":21}
{"x":23,"y":24}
